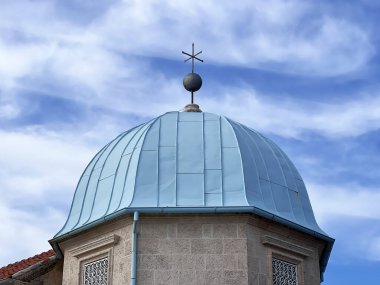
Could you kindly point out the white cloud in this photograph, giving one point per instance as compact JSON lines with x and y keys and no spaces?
{"x":96,"y":59}
{"x":351,"y":215}
{"x":270,"y":35}
{"x":291,"y":36}
{"x":26,"y":233}
{"x":38,"y":175}
{"x":331,"y":201}
{"x":292,"y":117}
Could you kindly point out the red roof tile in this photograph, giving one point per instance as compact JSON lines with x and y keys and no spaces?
{"x":10,"y":269}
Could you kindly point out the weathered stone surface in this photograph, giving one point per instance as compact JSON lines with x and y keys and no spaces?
{"x":235,"y":246}
{"x":225,"y":231}
{"x":242,"y":230}
{"x":221,"y":262}
{"x":165,"y":277}
{"x":147,"y":262}
{"x":172,"y":230}
{"x":164,"y":262}
{"x":206,"y":246}
{"x":234,"y":277}
{"x":148,"y":246}
{"x":189,"y":262}
{"x":194,"y":249}
{"x":189,"y":230}
{"x":145,"y":277}
{"x":242,"y":261}
{"x":209,"y":277}
{"x":150,"y":230}
{"x":172,"y":246}
{"x":207,"y":231}
{"x":188,"y":277}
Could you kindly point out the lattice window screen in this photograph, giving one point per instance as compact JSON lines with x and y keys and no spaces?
{"x":96,"y":272}
{"x":284,"y":273}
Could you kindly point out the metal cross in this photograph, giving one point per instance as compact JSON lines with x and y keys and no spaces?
{"x":192,"y":56}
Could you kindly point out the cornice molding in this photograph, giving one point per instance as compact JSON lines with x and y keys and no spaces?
{"x":95,"y":244}
{"x":294,"y":248}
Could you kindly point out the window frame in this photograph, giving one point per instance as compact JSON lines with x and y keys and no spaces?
{"x":288,"y":251}
{"x":289,"y":258}
{"x":286,"y":260}
{"x":94,"y":250}
{"x":93,"y":259}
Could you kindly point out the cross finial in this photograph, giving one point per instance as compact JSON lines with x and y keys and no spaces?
{"x":192,"y":56}
{"x":192,"y":81}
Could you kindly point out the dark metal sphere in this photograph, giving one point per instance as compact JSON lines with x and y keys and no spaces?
{"x":192,"y":82}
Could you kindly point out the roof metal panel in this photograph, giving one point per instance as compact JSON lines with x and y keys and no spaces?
{"x":102,"y":198}
{"x":118,"y":186}
{"x":251,"y":172}
{"x":247,"y":137}
{"x":190,"y":189}
{"x":274,"y":170}
{"x":190,"y":117}
{"x":211,"y":117}
{"x":213,"y":147}
{"x":145,"y":192}
{"x":297,"y":206}
{"x":167,"y":177}
{"x":268,"y":203}
{"x":288,"y":174}
{"x":190,"y":147}
{"x":227,"y":134}
{"x":213,"y":181}
{"x":282,"y":201}
{"x":233,"y":180}
{"x":88,"y":201}
{"x":152,"y":137}
{"x":213,"y":199}
{"x":187,"y":160}
{"x":168,"y":129}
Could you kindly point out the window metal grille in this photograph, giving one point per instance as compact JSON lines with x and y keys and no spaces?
{"x":96,"y":272}
{"x":284,"y":273}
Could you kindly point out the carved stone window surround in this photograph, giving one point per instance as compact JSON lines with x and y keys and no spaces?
{"x":95,"y":250}
{"x":288,"y":252}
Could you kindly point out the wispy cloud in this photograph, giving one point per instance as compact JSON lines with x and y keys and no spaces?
{"x":99,"y":59}
{"x":25,"y":233}
{"x":259,"y":35}
{"x":38,"y":175}
{"x":350,"y":214}
{"x":344,"y":200}
{"x":293,"y":117}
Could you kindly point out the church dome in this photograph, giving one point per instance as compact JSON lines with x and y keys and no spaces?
{"x":183,"y":162}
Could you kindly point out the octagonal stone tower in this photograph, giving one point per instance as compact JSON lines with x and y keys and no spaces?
{"x":218,"y":203}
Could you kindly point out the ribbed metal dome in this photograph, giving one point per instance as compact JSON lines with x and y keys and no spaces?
{"x":191,"y":162}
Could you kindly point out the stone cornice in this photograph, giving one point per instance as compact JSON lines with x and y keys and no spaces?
{"x":272,"y":241}
{"x":95,"y":244}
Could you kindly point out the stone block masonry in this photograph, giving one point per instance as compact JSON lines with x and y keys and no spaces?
{"x":187,"y":249}
{"x":192,"y":250}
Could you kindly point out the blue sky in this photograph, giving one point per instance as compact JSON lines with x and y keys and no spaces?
{"x":74,"y":74}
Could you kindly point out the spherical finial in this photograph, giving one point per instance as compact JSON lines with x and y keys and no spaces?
{"x":192,"y":82}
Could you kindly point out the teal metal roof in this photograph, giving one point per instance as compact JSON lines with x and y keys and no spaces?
{"x":191,"y":162}
{"x":186,"y":162}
